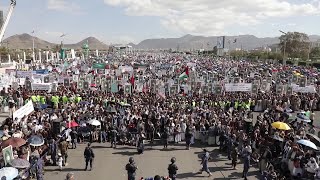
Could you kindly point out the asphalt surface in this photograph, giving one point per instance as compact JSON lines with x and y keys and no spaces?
{"x":110,"y":163}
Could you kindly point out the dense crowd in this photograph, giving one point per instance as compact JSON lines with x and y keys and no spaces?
{"x":71,"y":115}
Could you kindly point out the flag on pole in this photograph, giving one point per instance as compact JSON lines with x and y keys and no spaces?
{"x":183,"y":76}
{"x":187,"y":71}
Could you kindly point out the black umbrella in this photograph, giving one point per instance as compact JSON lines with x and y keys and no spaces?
{"x":315,"y":139}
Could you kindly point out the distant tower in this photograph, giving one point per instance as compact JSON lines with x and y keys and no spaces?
{"x":1,"y":18}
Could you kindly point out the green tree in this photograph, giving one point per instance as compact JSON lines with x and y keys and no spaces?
{"x":295,"y":44}
{"x":315,"y":53}
{"x":275,"y":56}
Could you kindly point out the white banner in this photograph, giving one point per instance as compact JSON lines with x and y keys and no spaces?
{"x":24,"y":110}
{"x":240,"y":87}
{"x":307,"y":89}
{"x":41,"y":86}
{"x":24,"y":74}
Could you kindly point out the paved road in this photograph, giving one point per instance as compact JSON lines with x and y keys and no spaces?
{"x":109,"y":163}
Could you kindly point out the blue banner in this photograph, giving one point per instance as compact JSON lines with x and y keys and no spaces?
{"x":42,"y":71}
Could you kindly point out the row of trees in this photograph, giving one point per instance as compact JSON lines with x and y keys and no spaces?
{"x":294,"y":45}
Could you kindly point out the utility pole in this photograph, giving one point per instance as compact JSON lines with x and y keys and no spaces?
{"x":284,"y":49}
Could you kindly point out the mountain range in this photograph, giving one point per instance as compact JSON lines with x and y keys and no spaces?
{"x":24,"y":41}
{"x":187,"y":42}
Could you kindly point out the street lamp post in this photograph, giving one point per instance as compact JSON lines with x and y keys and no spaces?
{"x":33,"y":55}
{"x":284,"y":49}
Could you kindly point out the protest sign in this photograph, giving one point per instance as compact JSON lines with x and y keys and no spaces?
{"x":41,"y":86}
{"x":238,"y":87}
{"x":24,"y":110}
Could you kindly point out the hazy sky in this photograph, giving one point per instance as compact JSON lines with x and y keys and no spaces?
{"x":123,"y":21}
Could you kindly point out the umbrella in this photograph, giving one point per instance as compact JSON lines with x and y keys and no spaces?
{"x":94,"y":122}
{"x":315,"y":139}
{"x":307,"y":143}
{"x":302,"y":117}
{"x":14,"y":142}
{"x":35,"y":140}
{"x":280,"y":125}
{"x":278,"y":138}
{"x":9,"y":173}
{"x":72,"y":124}
{"x":20,"y":163}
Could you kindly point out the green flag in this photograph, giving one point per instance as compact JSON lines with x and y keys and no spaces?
{"x":99,"y":66}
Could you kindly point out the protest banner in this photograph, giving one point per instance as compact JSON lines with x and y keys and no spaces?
{"x":238,"y":87}
{"x":41,"y":86}
{"x":306,"y":89}
{"x":24,"y":74}
{"x":24,"y":110}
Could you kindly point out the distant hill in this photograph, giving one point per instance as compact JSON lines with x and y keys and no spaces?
{"x":187,"y":42}
{"x":93,"y":42}
{"x":200,"y":42}
{"x":24,"y":41}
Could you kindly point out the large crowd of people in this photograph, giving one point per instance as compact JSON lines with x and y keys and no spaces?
{"x":162,"y":97}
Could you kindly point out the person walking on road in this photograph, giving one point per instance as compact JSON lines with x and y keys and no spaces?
{"x":131,"y":169}
{"x":89,"y":156}
{"x":173,"y":168}
{"x":234,"y":155}
{"x":204,"y":162}
{"x":246,"y":160}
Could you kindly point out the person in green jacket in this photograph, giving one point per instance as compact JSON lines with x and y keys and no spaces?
{"x":65,"y":99}
{"x":42,"y":100}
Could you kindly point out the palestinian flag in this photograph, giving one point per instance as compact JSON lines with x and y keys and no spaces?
{"x":183,"y":76}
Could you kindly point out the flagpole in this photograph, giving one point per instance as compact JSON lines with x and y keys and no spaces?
{"x":33,"y":54}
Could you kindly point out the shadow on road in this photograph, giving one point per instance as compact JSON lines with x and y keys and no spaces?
{"x":99,"y":147}
{"x":126,"y":153}
{"x":64,"y":170}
